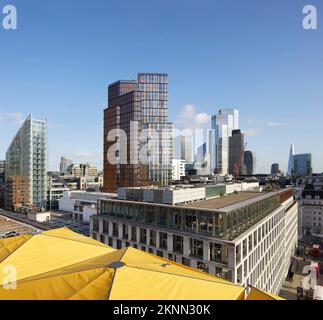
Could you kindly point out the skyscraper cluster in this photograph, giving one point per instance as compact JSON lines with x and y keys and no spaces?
{"x":229,"y":155}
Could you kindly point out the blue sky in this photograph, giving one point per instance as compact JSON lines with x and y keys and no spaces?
{"x":253,"y":55}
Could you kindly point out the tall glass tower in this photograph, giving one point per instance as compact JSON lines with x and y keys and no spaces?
{"x":223,"y":124}
{"x":26,"y":166}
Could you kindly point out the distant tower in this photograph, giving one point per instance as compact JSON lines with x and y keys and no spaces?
{"x":291,"y":160}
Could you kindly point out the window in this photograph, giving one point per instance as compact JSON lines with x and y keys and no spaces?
{"x":160,"y":254}
{"x":178,"y":244}
{"x":163,"y":240}
{"x":134,"y":233}
{"x":96,"y":225}
{"x":238,"y":253}
{"x":110,"y":242}
{"x":152,"y":238}
{"x":186,"y":262}
{"x":115,"y":230}
{"x":119,"y":244}
{"x":102,"y":238}
{"x":171,"y":257}
{"x":203,"y":266}
{"x":216,"y":252}
{"x":196,"y":248}
{"x":143,"y":236}
{"x":106,"y":227}
{"x":125,"y":231}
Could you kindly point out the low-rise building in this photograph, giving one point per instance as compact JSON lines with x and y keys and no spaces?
{"x":55,"y":190}
{"x":39,"y":216}
{"x":81,"y":204}
{"x":245,"y":237}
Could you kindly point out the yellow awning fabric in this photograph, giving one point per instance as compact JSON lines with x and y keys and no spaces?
{"x":256,"y":294}
{"x":62,"y":265}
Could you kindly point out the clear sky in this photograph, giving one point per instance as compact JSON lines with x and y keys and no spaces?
{"x":252,"y":55}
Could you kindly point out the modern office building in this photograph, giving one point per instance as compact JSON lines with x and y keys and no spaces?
{"x":178,"y":169}
{"x":302,"y":165}
{"x":26,"y":166}
{"x":64,"y":165}
{"x":183,"y":147}
{"x":275,"y":171}
{"x":223,"y":124}
{"x":249,"y":163}
{"x":246,"y":237}
{"x":236,"y":152}
{"x":138,"y":141}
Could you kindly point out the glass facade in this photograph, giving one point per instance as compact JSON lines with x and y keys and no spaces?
{"x":302,"y":165}
{"x":26,"y":166}
{"x":227,"y":225}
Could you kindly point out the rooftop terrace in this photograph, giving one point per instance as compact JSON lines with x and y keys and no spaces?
{"x":227,"y":201}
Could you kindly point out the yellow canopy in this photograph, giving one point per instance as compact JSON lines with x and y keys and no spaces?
{"x":62,"y":265}
{"x":256,"y":294}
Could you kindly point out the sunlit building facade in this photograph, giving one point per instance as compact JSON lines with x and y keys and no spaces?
{"x":138,"y":109}
{"x":223,"y":124}
{"x":26,"y":166}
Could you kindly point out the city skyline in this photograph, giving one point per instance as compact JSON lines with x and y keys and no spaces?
{"x":204,"y":75}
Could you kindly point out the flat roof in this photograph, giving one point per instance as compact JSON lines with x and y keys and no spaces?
{"x":230,"y":202}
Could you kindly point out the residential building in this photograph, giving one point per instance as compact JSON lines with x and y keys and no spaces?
{"x":178,"y":169}
{"x":81,"y":204}
{"x":64,"y":165}
{"x":302,"y":165}
{"x":26,"y":166}
{"x":82,"y":170}
{"x":311,"y":207}
{"x":246,"y":237}
{"x":249,"y":163}
{"x":236,"y":152}
{"x":138,"y":142}
{"x":223,"y":124}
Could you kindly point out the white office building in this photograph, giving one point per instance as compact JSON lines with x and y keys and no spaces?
{"x":82,"y":204}
{"x":248,"y":238}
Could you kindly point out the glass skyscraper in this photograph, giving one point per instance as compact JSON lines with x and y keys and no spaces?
{"x":26,"y":166}
{"x":223,"y":124}
{"x":302,"y":165}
